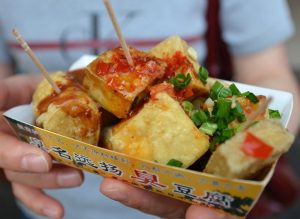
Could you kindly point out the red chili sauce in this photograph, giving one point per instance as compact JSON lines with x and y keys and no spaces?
{"x":123,"y":77}
{"x":179,"y":95}
{"x":178,"y":63}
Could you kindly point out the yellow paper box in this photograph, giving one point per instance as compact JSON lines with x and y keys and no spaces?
{"x":233,"y":196}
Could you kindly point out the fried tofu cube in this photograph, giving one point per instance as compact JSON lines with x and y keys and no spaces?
{"x":181,"y":59}
{"x":71,"y":113}
{"x":230,"y":160}
{"x":159,"y":132}
{"x":44,"y":90}
{"x":115,"y":85}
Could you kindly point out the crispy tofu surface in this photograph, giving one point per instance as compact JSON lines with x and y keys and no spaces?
{"x":229,"y":160}
{"x":71,"y":113}
{"x":181,"y":59}
{"x":44,"y":89}
{"x":159,"y":132}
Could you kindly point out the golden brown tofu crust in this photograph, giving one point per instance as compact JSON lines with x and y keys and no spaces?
{"x":115,"y":85}
{"x":175,"y":50}
{"x":71,"y":113}
{"x":229,"y":160}
{"x":159,"y":132}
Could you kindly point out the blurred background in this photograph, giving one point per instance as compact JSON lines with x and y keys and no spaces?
{"x":294,"y":43}
{"x":7,"y":205}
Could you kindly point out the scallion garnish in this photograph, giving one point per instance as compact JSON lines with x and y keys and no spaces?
{"x":180,"y":81}
{"x":274,"y":114}
{"x":234,"y":90}
{"x":199,"y":117}
{"x":227,"y":133}
{"x":203,"y":74}
{"x":175,"y":163}
{"x":218,"y":90}
{"x":223,"y":115}
{"x":222,"y":123}
{"x":223,"y":107}
{"x":187,"y":106}
{"x":242,"y":118}
{"x":215,"y":141}
{"x":215,"y":90}
{"x":239,"y":112}
{"x":251,"y":97}
{"x":208,"y":128}
{"x":225,"y":92}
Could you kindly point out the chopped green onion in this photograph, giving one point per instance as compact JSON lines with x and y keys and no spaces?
{"x":203,"y":74}
{"x":274,"y":114}
{"x":208,"y":128}
{"x":227,"y":133}
{"x":251,"y":97}
{"x":180,"y":81}
{"x":242,"y":118}
{"x":187,"y":106}
{"x":234,"y":90}
{"x":215,"y":90}
{"x":239,"y":112}
{"x":175,"y":163}
{"x":199,"y":117}
{"x":222,"y":123}
{"x":225,"y":92}
{"x":215,"y":141}
{"x":224,"y":107}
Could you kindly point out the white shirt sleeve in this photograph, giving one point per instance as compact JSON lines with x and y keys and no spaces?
{"x":252,"y":26}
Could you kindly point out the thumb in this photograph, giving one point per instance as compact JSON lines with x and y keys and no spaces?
{"x":200,"y":212}
{"x":143,"y":200}
{"x":19,"y":156}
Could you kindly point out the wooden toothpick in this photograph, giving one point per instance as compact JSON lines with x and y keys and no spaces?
{"x":36,"y":61}
{"x":118,"y":31}
{"x":256,"y":113}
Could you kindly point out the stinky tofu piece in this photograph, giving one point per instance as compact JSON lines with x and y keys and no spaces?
{"x":44,"y":89}
{"x":181,"y":58}
{"x":71,"y":113}
{"x":230,"y":160}
{"x":115,"y":85}
{"x":159,"y":132}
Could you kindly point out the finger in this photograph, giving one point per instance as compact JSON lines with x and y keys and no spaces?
{"x":17,"y":90}
{"x":60,"y":176}
{"x":143,"y":200}
{"x":197,"y":212}
{"x":4,"y":127}
{"x":16,"y":155}
{"x":38,"y":201}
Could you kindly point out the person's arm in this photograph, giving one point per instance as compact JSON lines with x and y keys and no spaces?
{"x":270,"y":68}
